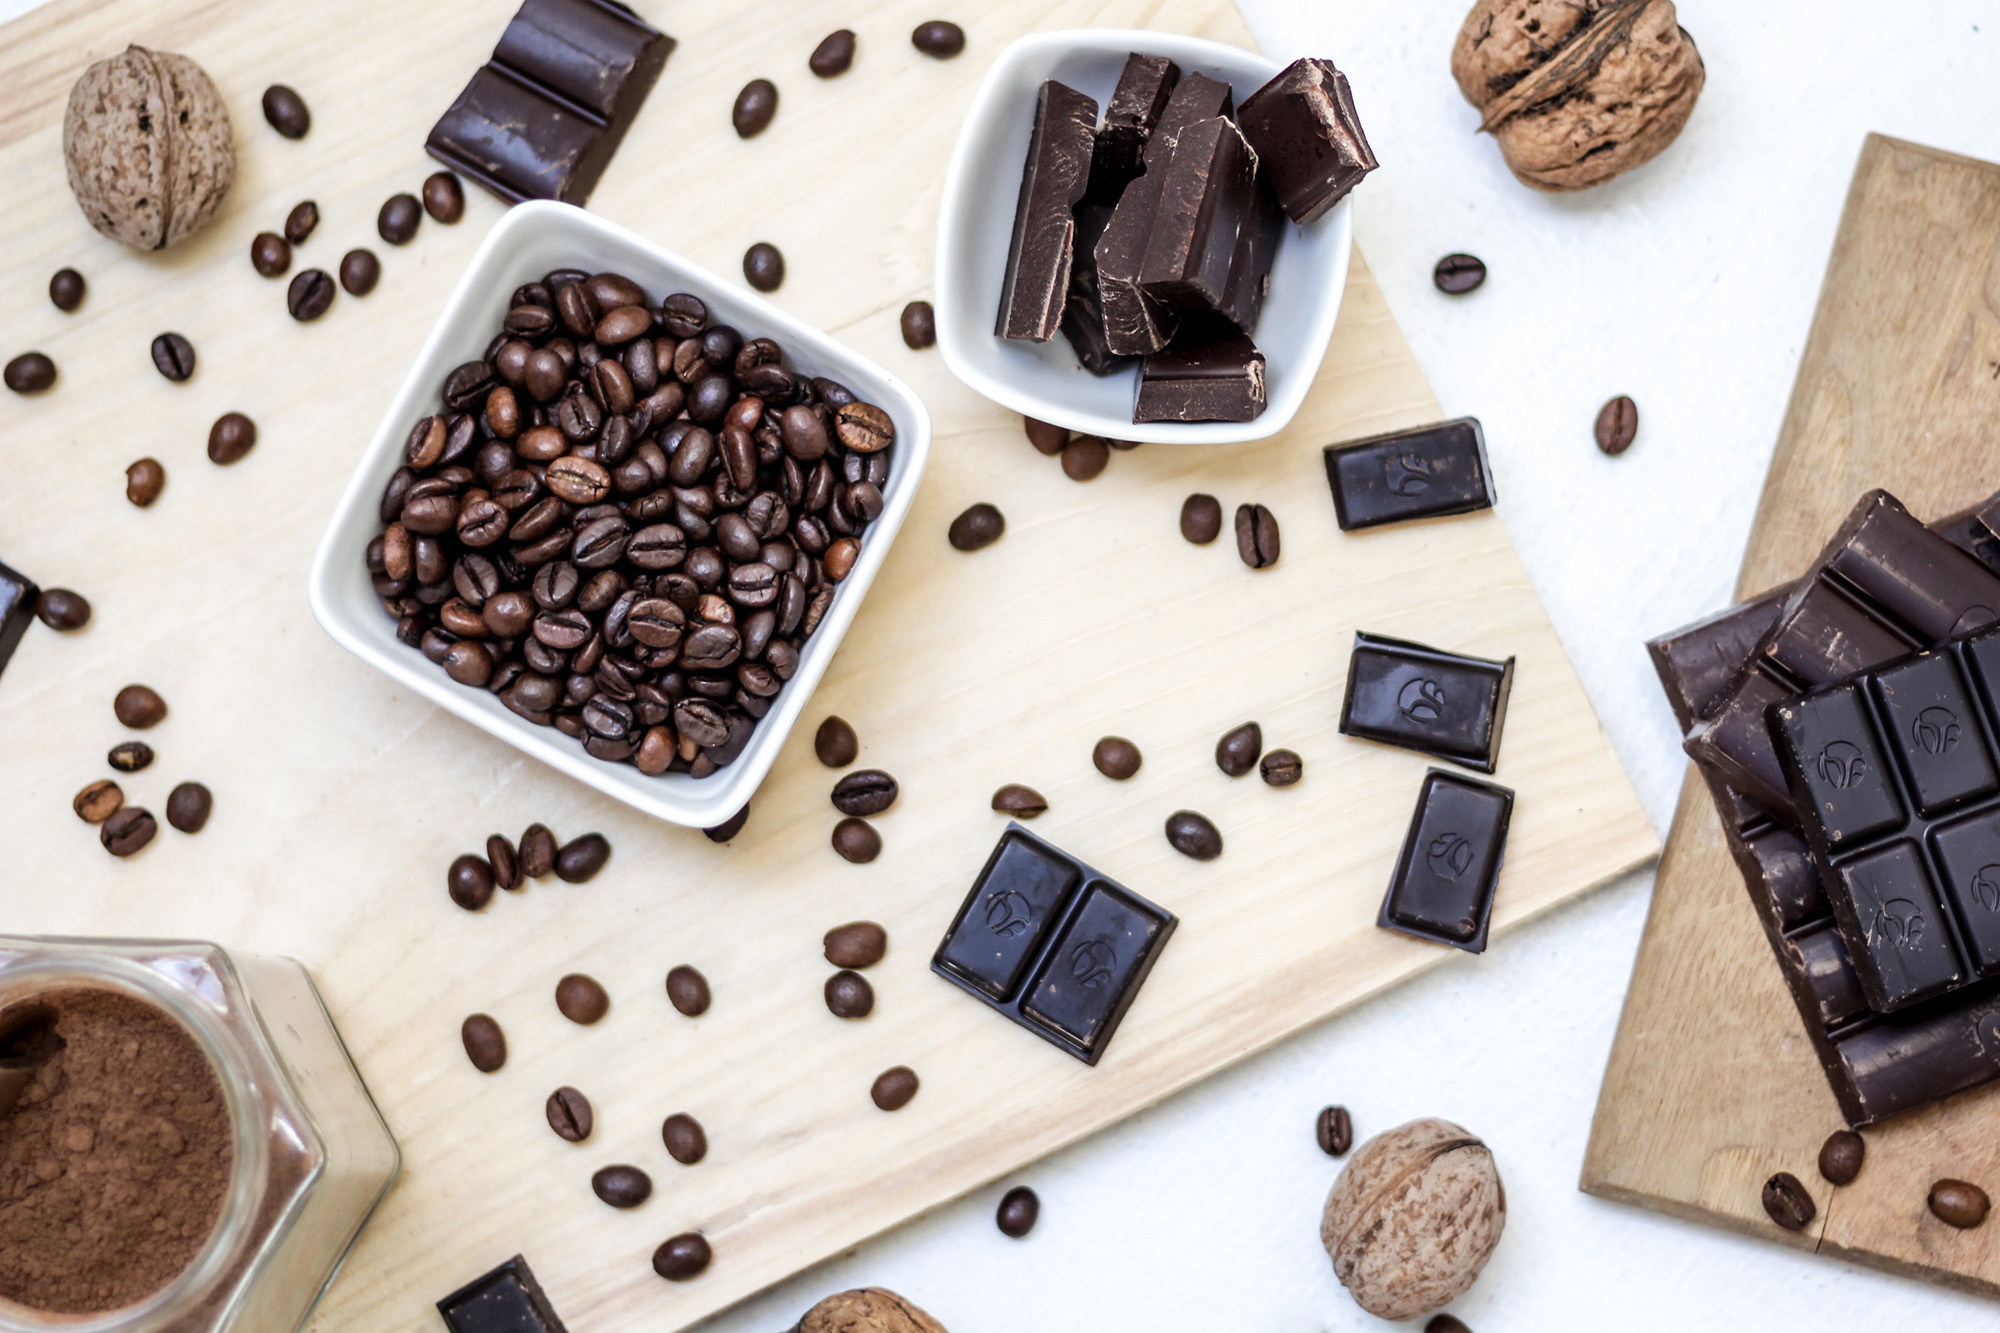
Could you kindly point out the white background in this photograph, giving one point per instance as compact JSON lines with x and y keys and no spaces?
{"x":1689,"y":285}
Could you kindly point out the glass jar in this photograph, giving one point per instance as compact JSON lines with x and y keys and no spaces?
{"x":312,"y":1154}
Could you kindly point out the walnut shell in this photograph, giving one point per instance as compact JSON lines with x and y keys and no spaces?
{"x":1577,"y":91}
{"x":868,"y":1310}
{"x":1413,"y":1217}
{"x":149,"y":147}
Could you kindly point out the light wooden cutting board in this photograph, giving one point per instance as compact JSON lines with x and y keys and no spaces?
{"x":339,"y":801}
{"x":1712,"y":1087}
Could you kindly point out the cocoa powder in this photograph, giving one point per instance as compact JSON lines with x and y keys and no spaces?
{"x":115,"y":1161}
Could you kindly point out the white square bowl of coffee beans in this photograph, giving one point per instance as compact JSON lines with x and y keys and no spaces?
{"x":620,"y":514}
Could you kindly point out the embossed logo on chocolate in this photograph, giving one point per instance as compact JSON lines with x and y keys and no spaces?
{"x":1935,"y":730}
{"x":1090,"y":963}
{"x":1449,"y":855}
{"x":1421,"y":700}
{"x":1898,"y":921}
{"x":1841,"y":764}
{"x":1008,"y":914}
{"x":1986,"y":888}
{"x":1407,"y":474}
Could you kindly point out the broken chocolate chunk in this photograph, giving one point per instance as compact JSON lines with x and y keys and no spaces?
{"x":1307,"y":137}
{"x":1203,"y":378}
{"x":1129,"y":117}
{"x":1207,"y":190}
{"x":1036,"y":287}
{"x":1083,"y":314}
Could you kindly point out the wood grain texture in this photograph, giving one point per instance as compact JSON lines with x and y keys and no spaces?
{"x":339,"y":801}
{"x":1712,"y":1086}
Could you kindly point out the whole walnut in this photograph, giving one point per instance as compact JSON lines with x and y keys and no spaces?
{"x":149,"y":147}
{"x":1413,"y":1217}
{"x":867,"y":1310}
{"x":1577,"y":91}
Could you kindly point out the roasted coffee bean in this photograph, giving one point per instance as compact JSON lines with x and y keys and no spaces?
{"x":848,"y":995}
{"x":834,"y":55}
{"x":939,"y":37}
{"x":755,"y":107}
{"x":980,"y":525}
{"x":1958,"y":1203}
{"x":1018,"y":1211}
{"x":580,"y":859}
{"x":687,"y":991}
{"x":612,"y":290}
{"x":729,"y":827}
{"x":621,"y":325}
{"x":1018,"y":802}
{"x":683,"y":1257}
{"x":1256,"y":536}
{"x":127,"y":830}
{"x":538,"y":852}
{"x":919,"y":326}
{"x":1787,"y":1202}
{"x":1115,"y":757}
{"x":893,"y":1088}
{"x":581,"y":999}
{"x":139,"y":707}
{"x":835,"y":742}
{"x":360,"y":270}
{"x":470,"y":882}
{"x":856,"y":840}
{"x":1281,"y":768}
{"x":1456,"y":275}
{"x":1085,"y":457}
{"x":30,"y":372}
{"x":301,"y":221}
{"x":310,"y":295}
{"x":66,"y":289}
{"x":867,"y":792}
{"x":1617,"y":425}
{"x":686,"y":1141}
{"x":1236,"y":753}
{"x":468,"y":663}
{"x":397,"y":221}
{"x":578,"y":480}
{"x":485,"y":1043}
{"x":1047,"y":438}
{"x":1841,"y":1155}
{"x":621,"y":1186}
{"x":286,"y":111}
{"x":188,"y":807}
{"x":59,"y":608}
{"x":838,"y":562}
{"x":864,"y":428}
{"x":1193,"y":835}
{"x":270,"y":254}
{"x":1444,"y":1323}
{"x":804,"y":435}
{"x":569,"y":1114}
{"x":857,"y":944}
{"x":98,"y":801}
{"x":231,"y":438}
{"x":173,"y":357}
{"x":130,"y":756}
{"x":1335,"y":1131}
{"x":764,"y":267}
{"x":444,"y":198}
{"x":144,"y":481}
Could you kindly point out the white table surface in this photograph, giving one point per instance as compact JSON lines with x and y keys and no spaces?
{"x":1690,"y":285}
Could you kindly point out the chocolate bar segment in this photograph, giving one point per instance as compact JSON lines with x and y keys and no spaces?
{"x":1083,"y":312}
{"x":506,"y":1300}
{"x":1428,"y":472}
{"x":1256,"y":250}
{"x":1203,"y":377}
{"x":1207,"y":191}
{"x":1144,"y":87}
{"x":18,"y":595}
{"x":1443,"y":887}
{"x":1436,"y":703}
{"x":1092,"y":973}
{"x":1002,"y":926}
{"x":1308,"y":137}
{"x":1036,"y":287}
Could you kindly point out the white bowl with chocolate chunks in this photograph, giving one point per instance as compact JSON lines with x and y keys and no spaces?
{"x":620,"y":514}
{"x":1146,"y":237}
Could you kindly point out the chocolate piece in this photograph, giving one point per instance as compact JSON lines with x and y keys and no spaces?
{"x":543,"y":117}
{"x":1307,"y":137}
{"x":1427,"y":472}
{"x":1053,"y":944}
{"x":1144,"y":86}
{"x":506,"y":1300}
{"x":1443,"y":887}
{"x":1036,"y":287}
{"x":18,"y":595}
{"x":1436,"y":703}
{"x":1083,"y":313}
{"x":1256,"y":250}
{"x":1207,"y":188}
{"x":1197,"y":379}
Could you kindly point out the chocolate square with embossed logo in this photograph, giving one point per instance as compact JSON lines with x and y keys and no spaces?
{"x":1006,"y":919}
{"x":1093,"y":970}
{"x":1443,"y":886}
{"x":17,"y":607}
{"x":1428,"y":472}
{"x":506,"y":1300}
{"x":1441,"y":704}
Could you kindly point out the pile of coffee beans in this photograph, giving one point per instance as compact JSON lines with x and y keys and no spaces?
{"x":127,"y":829}
{"x":471,"y":878}
{"x":626,"y":521}
{"x":1083,"y":457}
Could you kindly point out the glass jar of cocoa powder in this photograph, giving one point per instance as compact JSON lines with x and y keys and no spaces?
{"x":185,"y":1145}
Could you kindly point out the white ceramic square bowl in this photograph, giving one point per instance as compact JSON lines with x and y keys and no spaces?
{"x":529,"y":241}
{"x":976,"y":223}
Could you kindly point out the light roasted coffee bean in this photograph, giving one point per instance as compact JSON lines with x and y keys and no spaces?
{"x":98,"y":801}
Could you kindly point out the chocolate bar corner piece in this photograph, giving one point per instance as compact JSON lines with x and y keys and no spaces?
{"x":1208,"y":189}
{"x":1201,"y":377}
{"x":1083,"y":312}
{"x":1450,"y":863}
{"x":1039,"y":256}
{"x":1428,"y":472}
{"x":1445,"y":705}
{"x":506,"y":1300}
{"x":18,"y":595}
{"x":1144,"y":86}
{"x":1308,"y":137}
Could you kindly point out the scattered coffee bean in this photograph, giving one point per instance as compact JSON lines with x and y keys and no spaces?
{"x":1193,"y":835}
{"x":144,"y":481}
{"x":1840,"y":1156}
{"x":856,"y":840}
{"x":980,"y":525}
{"x":764,"y":267}
{"x":1282,"y":768}
{"x":286,"y":111}
{"x":834,"y":55}
{"x":127,"y":830}
{"x":919,"y":326}
{"x":1787,"y":1202}
{"x":1335,"y":1131}
{"x":940,"y":38}
{"x":622,"y":1186}
{"x":686,"y":1142}
{"x":1116,"y":758}
{"x":848,"y":995}
{"x":130,"y":756}
{"x":173,"y":357}
{"x":569,"y":1114}
{"x":66,"y":289}
{"x":396,"y":221}
{"x":59,"y":608}
{"x":1256,"y":536}
{"x":301,"y":222}
{"x":868,"y":791}
{"x":1236,"y":753}
{"x":30,"y":372}
{"x":1617,"y":425}
{"x":506,"y":864}
{"x":729,"y":827}
{"x":1047,"y":438}
{"x":1019,"y":802}
{"x":98,"y":801}
{"x":1018,"y":1211}
{"x":1085,"y":457}
{"x":1444,"y":1323}
{"x":1458,"y":274}
{"x":835,"y":743}
{"x":270,"y":254}
{"x":893,"y":1088}
{"x":538,"y":852}
{"x":856,"y":944}
{"x":581,"y":999}
{"x":444,"y":197}
{"x":232,"y":437}
{"x":581,"y":858}
{"x":1959,"y":1203}
{"x":360,"y":270}
{"x":683,"y":1257}
{"x":469,"y":881}
{"x":1201,"y":518}
{"x":687,"y":991}
{"x":485,"y":1043}
{"x":755,"y":107}
{"x":139,"y":707}
{"x":310,"y":295}
{"x":188,"y":807}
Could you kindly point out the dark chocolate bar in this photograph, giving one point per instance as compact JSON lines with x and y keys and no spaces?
{"x":506,"y":1300}
{"x":1436,"y":703}
{"x":1083,"y":313}
{"x":542,"y":119}
{"x":1256,"y":250}
{"x":1443,"y":888}
{"x":1052,"y":944}
{"x":1036,"y":287}
{"x":18,"y":595}
{"x":1208,"y":190}
{"x":1307,"y":136}
{"x":1202,"y":376}
{"x":1427,"y":472}
{"x":1144,"y":86}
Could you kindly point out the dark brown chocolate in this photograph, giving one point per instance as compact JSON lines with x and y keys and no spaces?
{"x":1036,"y":287}
{"x":1208,"y":189}
{"x":1143,"y":88}
{"x":1307,"y":137}
{"x":1201,"y":377}
{"x":1083,"y":313}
